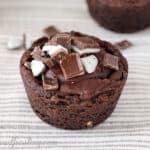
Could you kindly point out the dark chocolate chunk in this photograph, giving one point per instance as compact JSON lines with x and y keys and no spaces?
{"x":83,"y":42}
{"x":111,"y":61}
{"x":50,"y":81}
{"x":51,"y":31}
{"x":71,"y":66}
{"x":123,"y":44}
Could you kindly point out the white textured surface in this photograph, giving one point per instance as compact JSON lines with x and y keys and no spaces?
{"x":37,"y":67}
{"x":128,"y":128}
{"x":86,"y":50}
{"x":90,"y":63}
{"x":53,"y":50}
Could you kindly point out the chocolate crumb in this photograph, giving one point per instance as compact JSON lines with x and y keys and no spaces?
{"x":89,"y":124}
{"x":123,"y":44}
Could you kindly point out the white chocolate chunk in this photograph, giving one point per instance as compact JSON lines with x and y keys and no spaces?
{"x":14,"y":43}
{"x":86,"y":50}
{"x":37,"y":67}
{"x":53,"y":50}
{"x":90,"y":63}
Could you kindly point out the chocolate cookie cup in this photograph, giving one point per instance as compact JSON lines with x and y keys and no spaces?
{"x":73,"y":80}
{"x":124,"y":16}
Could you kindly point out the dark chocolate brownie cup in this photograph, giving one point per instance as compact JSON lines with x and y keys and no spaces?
{"x":72,"y":80}
{"x":121,"y":15}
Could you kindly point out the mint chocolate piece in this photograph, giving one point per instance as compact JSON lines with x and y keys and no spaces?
{"x":85,"y":42}
{"x":111,"y":61}
{"x":63,"y":39}
{"x":71,"y":66}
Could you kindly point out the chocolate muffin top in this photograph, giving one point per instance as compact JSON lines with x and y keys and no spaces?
{"x":128,"y":3}
{"x":74,"y":64}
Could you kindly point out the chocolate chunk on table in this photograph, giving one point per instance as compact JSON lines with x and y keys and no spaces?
{"x":51,"y":31}
{"x":123,"y":44}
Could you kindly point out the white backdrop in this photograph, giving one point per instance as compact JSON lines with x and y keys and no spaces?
{"x":128,"y":128}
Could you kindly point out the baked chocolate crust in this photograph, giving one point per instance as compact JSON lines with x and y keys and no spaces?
{"x":121,"y":15}
{"x":80,"y":102}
